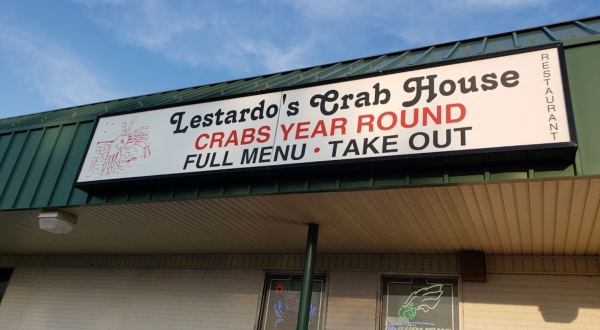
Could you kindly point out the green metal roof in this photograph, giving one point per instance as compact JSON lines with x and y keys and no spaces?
{"x":396,"y":60}
{"x":40,"y":153}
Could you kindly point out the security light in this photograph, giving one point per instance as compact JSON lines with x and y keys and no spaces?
{"x":57,"y":221}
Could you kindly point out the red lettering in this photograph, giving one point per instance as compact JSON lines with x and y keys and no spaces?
{"x":286,"y":132}
{"x":319,"y":129}
{"x":198,"y":146}
{"x":436,"y":119}
{"x":217,"y":138}
{"x":301,"y":129}
{"x":463,"y":112}
{"x":338,"y":123}
{"x":248,"y":133}
{"x":266,"y":135}
{"x":232,"y":139}
{"x":380,"y":121}
{"x":415,"y":118}
{"x":368,"y":123}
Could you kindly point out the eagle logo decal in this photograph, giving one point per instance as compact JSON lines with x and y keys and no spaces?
{"x":424,"y":300}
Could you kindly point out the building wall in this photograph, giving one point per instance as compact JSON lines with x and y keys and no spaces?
{"x":527,"y":302}
{"x":352,"y":301}
{"x":111,"y":298}
{"x":103,"y":299}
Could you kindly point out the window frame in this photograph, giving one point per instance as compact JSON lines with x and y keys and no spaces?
{"x":383,"y":289}
{"x":264,"y":298}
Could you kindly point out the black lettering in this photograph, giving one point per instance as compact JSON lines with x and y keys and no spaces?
{"x":419,"y":88}
{"x":208,"y":120}
{"x":411,"y":141}
{"x":218,"y":120}
{"x":243,"y":114}
{"x":293,"y":108}
{"x":212,"y":160}
{"x":279,"y":151}
{"x":436,"y":140}
{"x":463,"y":134}
{"x":303,"y":151}
{"x":345,"y":100}
{"x":387,"y":144}
{"x":230,"y":119}
{"x":189,"y":160}
{"x":378,"y":93}
{"x":321,"y":102}
{"x":463,"y":85}
{"x":362,"y":100}
{"x":489,"y":82}
{"x":450,"y":91}
{"x":205,"y":161}
{"x":265,"y":152}
{"x":510,"y":78}
{"x":260,"y":109}
{"x":225,"y":163}
{"x":335,"y":144}
{"x":351,"y":147}
{"x":195,"y":122}
{"x":369,"y":145}
{"x":272,"y":111}
{"x":176,"y":119}
{"x":249,"y":158}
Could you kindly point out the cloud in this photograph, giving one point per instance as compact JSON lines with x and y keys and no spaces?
{"x":257,"y":37}
{"x":63,"y":78}
{"x":239,"y":36}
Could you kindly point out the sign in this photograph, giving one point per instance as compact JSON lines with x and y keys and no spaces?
{"x":282,"y":302}
{"x":420,"y":304}
{"x":515,"y":101}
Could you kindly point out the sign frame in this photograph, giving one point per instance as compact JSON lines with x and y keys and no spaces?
{"x":553,"y":45}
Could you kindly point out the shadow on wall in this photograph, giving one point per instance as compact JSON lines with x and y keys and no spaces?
{"x":559,"y":315}
{"x":533,"y":300}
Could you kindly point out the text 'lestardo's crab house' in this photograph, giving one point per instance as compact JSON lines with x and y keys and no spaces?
{"x":448,"y":187}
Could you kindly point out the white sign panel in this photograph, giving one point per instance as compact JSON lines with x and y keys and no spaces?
{"x":513,"y":101}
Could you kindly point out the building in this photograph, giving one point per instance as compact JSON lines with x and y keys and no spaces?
{"x":449,"y":187}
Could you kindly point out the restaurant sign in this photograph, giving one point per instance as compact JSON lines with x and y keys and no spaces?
{"x":491,"y":103}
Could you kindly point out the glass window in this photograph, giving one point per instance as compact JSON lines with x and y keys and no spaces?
{"x":5,"y":274}
{"x":419,"y":303}
{"x":281,"y":301}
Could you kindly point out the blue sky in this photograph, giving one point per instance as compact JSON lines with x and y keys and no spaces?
{"x":62,"y":53}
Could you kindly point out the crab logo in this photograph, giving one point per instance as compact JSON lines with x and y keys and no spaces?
{"x":287,"y":310}
{"x":114,"y":155}
{"x":424,"y":300}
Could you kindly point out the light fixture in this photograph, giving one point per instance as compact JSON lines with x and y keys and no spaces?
{"x":57,"y":221}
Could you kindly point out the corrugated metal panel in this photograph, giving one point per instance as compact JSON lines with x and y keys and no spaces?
{"x":490,"y":44}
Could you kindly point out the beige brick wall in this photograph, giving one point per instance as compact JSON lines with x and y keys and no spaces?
{"x":532,"y":302}
{"x":102,"y":299}
{"x":352,"y":301}
{"x":16,"y":297}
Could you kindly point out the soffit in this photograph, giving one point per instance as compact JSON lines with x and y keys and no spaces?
{"x":551,"y":217}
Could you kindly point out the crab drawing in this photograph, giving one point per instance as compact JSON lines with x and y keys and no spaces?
{"x":112,"y":151}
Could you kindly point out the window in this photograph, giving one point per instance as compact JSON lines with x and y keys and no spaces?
{"x":5,"y":274}
{"x":419,"y":303}
{"x":281,"y":300}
